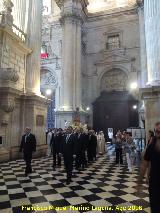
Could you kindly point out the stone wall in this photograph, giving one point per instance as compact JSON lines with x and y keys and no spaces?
{"x":14,"y":56}
{"x":100,"y":60}
{"x":96,"y":59}
{"x":18,"y":107}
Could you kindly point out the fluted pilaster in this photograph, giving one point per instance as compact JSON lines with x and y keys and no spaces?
{"x":144,"y":73}
{"x":71,"y":89}
{"x":19,"y":13}
{"x":34,"y":41}
{"x":152,"y":31}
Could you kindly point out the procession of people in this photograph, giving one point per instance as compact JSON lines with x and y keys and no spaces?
{"x":80,"y":148}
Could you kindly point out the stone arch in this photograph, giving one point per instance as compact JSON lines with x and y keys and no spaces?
{"x":114,"y":79}
{"x":49,"y":80}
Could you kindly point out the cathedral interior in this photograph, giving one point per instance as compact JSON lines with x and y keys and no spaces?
{"x":96,"y":61}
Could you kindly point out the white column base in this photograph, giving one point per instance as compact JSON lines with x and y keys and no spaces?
{"x":151,"y":97}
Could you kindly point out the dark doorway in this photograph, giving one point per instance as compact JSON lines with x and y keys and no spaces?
{"x":117,"y":110}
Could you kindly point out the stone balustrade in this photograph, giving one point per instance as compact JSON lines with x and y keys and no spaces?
{"x":19,"y":33}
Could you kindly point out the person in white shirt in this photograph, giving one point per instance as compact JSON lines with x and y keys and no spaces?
{"x":101,"y":143}
{"x":49,"y":137}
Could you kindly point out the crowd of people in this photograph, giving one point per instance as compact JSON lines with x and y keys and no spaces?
{"x":80,"y":148}
{"x":124,"y":143}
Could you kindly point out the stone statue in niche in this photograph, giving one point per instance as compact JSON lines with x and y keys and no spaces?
{"x":114,"y":80}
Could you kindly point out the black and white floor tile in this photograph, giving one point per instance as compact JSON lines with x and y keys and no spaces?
{"x":102,"y":184}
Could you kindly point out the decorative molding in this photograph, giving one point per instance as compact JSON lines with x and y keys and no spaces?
{"x":83,"y":2}
{"x":49,"y":79}
{"x":113,"y":57}
{"x":8,"y":74}
{"x":7,"y":104}
{"x":6,"y":13}
{"x":114,"y":80}
{"x":74,"y":16}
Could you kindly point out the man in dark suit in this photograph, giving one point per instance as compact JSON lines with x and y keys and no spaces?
{"x":80,"y":149}
{"x":68,"y":151}
{"x":92,"y":146}
{"x":56,"y":143}
{"x":28,"y":145}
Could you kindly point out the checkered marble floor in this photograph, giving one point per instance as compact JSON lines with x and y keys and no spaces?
{"x":102,"y":184}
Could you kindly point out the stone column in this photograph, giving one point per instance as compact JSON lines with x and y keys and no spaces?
{"x":34,"y":42}
{"x":152,"y":30}
{"x":67,"y":65}
{"x":78,"y":72}
{"x":144,"y":74}
{"x":151,"y":93}
{"x":71,"y":89}
{"x":19,"y":13}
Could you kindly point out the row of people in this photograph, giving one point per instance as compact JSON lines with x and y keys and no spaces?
{"x":72,"y":144}
{"x":54,"y":132}
{"x":124,"y":143}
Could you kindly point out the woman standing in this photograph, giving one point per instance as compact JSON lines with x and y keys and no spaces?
{"x":101,"y":143}
{"x":49,"y":136}
{"x":118,"y":148}
{"x":129,"y":148}
{"x":152,"y":160}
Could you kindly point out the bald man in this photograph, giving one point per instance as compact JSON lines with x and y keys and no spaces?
{"x":28,"y":145}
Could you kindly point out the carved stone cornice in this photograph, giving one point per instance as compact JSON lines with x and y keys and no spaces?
{"x":75,"y":12}
{"x":83,"y":2}
{"x":150,"y":92}
{"x":7,"y":31}
{"x":72,"y":17}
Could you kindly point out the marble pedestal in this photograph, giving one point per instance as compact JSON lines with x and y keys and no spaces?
{"x":151,"y":97}
{"x":29,"y":110}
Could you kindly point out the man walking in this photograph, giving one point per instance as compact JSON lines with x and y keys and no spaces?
{"x":92,"y":146}
{"x":152,"y":161}
{"x":57,"y":142}
{"x":28,"y":145}
{"x":80,"y":149}
{"x":68,"y":151}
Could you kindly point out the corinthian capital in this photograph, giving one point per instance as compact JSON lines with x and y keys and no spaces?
{"x":84,"y":3}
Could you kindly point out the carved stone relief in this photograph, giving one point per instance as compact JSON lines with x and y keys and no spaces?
{"x":49,"y":79}
{"x":114,"y":80}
